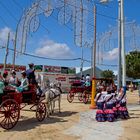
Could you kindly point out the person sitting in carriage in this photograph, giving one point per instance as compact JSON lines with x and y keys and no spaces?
{"x":13,"y":81}
{"x":1,"y":89}
{"x":31,"y":75}
{"x":5,"y":78}
{"x":0,"y":76}
{"x":24,"y":86}
{"x":88,"y":81}
{"x":3,"y":84}
{"x":82,"y":80}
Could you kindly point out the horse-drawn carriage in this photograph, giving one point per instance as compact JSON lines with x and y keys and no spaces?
{"x":12,"y":102}
{"x":78,"y":89}
{"x":84,"y":92}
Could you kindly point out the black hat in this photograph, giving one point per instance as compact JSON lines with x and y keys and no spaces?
{"x":31,"y":64}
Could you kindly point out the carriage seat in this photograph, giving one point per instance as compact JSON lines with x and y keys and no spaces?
{"x":76,"y":84}
{"x":29,"y":95}
{"x":31,"y":89}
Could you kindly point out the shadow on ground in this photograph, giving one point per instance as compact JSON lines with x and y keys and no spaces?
{"x":64,"y":114}
{"x":26,"y":123}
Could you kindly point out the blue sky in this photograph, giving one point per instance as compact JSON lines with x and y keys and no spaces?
{"x":52,"y":39}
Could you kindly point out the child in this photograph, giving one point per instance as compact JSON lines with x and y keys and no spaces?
{"x":121,"y":103}
{"x":109,"y":104}
{"x":99,"y":99}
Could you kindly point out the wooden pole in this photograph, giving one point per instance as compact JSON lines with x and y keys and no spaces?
{"x":93,"y":105}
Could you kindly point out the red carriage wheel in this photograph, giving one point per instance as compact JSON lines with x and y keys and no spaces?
{"x":9,"y":114}
{"x":41,"y":111}
{"x":70,"y":96}
{"x":80,"y":96}
{"x":85,"y":96}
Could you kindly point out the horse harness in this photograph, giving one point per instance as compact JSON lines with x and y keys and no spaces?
{"x":54,"y":95}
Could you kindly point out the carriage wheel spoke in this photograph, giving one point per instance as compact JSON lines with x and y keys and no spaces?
{"x":4,"y":108}
{"x":9,"y":106}
{"x":11,"y":121}
{"x":3,"y":120}
{"x":8,"y":122}
{"x":2,"y":116}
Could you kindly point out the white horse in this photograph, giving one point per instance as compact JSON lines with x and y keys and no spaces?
{"x":52,"y":95}
{"x":52,"y":92}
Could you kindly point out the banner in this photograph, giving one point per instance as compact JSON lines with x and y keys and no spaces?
{"x":59,"y":70}
{"x":61,"y":78}
{"x":9,"y":67}
{"x":20,"y":68}
{"x":52,"y":69}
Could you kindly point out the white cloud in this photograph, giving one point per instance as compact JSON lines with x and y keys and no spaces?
{"x":50,"y":48}
{"x":110,"y":55}
{"x":84,"y":68}
{"x":115,"y":72}
{"x":4,"y":34}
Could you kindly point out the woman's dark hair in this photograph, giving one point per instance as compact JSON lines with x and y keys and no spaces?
{"x":109,"y":92}
{"x":24,"y":74}
{"x":4,"y":75}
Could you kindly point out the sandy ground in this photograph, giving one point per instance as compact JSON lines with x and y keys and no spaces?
{"x":75,"y":122}
{"x":132,"y":125}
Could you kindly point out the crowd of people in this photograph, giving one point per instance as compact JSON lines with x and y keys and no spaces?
{"x":27,"y":77}
{"x":111,"y":104}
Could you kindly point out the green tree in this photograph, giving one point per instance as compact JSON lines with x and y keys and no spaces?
{"x":133,"y":64}
{"x":107,"y":74}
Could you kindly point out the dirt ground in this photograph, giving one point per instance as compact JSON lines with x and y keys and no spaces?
{"x":52,"y":128}
{"x":132,"y":125}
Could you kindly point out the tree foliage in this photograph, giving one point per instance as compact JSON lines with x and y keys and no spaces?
{"x":107,"y":74}
{"x":133,"y":64}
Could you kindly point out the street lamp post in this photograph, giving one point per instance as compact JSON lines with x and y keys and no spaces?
{"x":93,"y":105}
{"x":119,"y":47}
{"x":123,"y":47}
